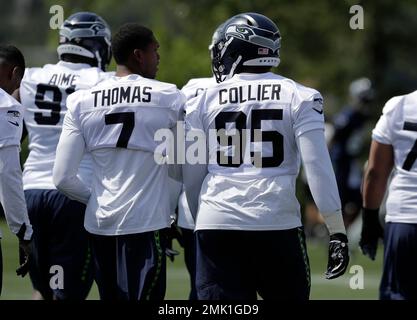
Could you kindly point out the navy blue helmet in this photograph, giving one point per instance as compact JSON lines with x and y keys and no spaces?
{"x":247,"y":39}
{"x":86,"y":34}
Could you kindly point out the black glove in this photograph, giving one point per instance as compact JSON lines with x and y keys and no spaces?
{"x":25,"y":249}
{"x":371,"y":232}
{"x":338,"y":256}
{"x":170,"y":234}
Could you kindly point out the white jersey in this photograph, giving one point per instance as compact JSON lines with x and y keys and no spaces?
{"x":251,"y":186}
{"x":11,"y":118}
{"x":118,"y":120}
{"x":197,"y":86}
{"x":398,"y":127}
{"x":43,"y":93}
{"x":11,"y":191}
{"x":192,"y":89}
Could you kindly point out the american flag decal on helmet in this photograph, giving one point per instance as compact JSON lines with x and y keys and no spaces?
{"x":263,"y":51}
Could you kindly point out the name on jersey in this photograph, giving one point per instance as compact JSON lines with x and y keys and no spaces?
{"x":63,"y":79}
{"x":242,"y":94}
{"x":122,"y":95}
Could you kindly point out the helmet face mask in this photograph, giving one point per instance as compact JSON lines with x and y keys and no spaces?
{"x":88,"y":35}
{"x":248,"y":39}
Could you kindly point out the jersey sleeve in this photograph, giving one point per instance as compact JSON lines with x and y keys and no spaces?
{"x":177,"y":127}
{"x":319,"y":171}
{"x":193,"y":121}
{"x":11,"y":125}
{"x":189,"y":90}
{"x":11,"y":193}
{"x":73,"y":105}
{"x":178,"y":106}
{"x":308,"y":113}
{"x":69,"y":153}
{"x":382,"y":132}
{"x":194,"y":173}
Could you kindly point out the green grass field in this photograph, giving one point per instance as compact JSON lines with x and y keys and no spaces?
{"x":16,"y":288}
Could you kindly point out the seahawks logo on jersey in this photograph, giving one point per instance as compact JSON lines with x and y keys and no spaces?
{"x":320,"y":102}
{"x":13,"y":113}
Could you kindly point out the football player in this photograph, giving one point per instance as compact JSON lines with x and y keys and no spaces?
{"x":248,"y":226}
{"x":126,"y":206}
{"x":348,"y":143}
{"x":393,"y":149}
{"x":12,"y":67}
{"x":61,"y":248}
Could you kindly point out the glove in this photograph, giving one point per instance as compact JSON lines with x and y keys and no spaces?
{"x":338,"y":256}
{"x":371,"y":232}
{"x":25,"y":249}
{"x":171,"y":234}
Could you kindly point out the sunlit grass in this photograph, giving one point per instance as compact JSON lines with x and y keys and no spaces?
{"x":16,"y":288}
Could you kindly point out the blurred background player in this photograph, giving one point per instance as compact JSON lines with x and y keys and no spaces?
{"x":127,"y":207}
{"x":12,"y":67}
{"x":60,"y":239}
{"x":192,"y":89}
{"x":249,"y":233}
{"x":350,"y":138}
{"x":393,"y":147}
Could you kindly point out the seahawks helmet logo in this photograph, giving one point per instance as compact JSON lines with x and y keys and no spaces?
{"x":256,"y":36}
{"x":97,"y":28}
{"x":239,"y":32}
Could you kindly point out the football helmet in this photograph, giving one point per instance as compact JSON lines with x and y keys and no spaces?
{"x":215,"y":38}
{"x":86,"y":34}
{"x":361,"y":91}
{"x":247,"y":39}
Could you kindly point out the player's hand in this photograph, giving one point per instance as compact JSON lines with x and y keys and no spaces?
{"x":171,"y":234}
{"x":25,"y":248}
{"x":338,"y":256}
{"x":371,"y":232}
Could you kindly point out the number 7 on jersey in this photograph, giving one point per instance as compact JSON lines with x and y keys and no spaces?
{"x":128,"y":121}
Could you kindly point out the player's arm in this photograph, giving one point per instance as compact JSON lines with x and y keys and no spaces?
{"x":381,"y":156}
{"x":380,"y":164}
{"x":378,"y":170}
{"x":14,"y":204}
{"x":321,"y":178}
{"x":323,"y":187}
{"x":308,"y":126}
{"x":193,"y":177}
{"x":193,"y":174}
{"x":11,"y":193}
{"x":69,"y":153}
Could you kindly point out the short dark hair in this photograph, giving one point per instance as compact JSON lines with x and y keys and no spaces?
{"x":12,"y":55}
{"x":130,"y":36}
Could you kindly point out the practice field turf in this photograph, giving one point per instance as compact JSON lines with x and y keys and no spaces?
{"x":16,"y":288}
